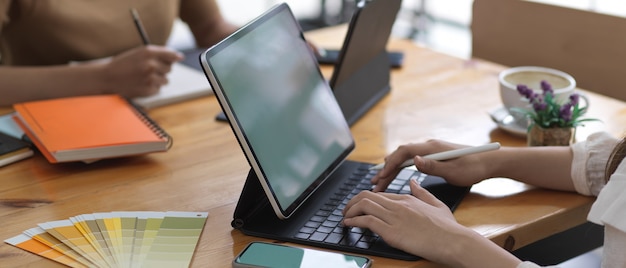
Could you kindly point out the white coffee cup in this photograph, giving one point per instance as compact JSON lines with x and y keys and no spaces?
{"x":562,"y":84}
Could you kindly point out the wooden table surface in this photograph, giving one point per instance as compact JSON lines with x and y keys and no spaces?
{"x":433,"y":96}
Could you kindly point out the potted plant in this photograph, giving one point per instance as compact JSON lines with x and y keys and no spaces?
{"x":551,"y":122}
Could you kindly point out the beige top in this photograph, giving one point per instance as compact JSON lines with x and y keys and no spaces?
{"x":52,"y":32}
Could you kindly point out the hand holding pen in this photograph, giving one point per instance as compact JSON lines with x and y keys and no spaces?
{"x":143,"y":68}
{"x":448,"y":154}
{"x":454,"y":162}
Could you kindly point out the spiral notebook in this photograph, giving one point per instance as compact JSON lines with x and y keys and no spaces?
{"x":89,"y":128}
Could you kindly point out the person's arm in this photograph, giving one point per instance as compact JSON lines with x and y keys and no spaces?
{"x":548,"y":167}
{"x":422,"y":225}
{"x":137,"y":72}
{"x":19,"y":84}
{"x":205,"y":21}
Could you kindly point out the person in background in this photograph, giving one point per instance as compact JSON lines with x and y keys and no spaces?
{"x":424,"y":226}
{"x":40,"y":39}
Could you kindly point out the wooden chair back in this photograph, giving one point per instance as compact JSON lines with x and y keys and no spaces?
{"x":588,"y":45}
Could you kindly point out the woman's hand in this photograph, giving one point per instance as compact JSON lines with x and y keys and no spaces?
{"x":422,"y":225}
{"x":413,"y":223}
{"x":140,"y":71}
{"x":419,"y":224}
{"x":462,"y":171}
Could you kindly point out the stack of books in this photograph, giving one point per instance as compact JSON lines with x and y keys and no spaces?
{"x":117,"y":239}
{"x":13,"y":149}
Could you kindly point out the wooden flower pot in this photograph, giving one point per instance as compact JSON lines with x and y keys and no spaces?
{"x":538,"y":136}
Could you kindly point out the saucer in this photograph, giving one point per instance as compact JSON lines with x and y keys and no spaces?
{"x":506,"y":122}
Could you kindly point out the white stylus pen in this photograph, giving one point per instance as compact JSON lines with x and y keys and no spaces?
{"x":449,"y":154}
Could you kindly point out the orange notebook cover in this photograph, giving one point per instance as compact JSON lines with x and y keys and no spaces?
{"x":88,"y":128}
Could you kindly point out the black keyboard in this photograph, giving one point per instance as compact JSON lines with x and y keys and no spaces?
{"x":325,"y":226}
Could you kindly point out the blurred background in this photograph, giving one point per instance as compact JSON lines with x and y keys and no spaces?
{"x":442,"y":25}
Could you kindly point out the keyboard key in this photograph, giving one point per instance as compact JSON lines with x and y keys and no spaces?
{"x":340,"y":229}
{"x":363,"y":244}
{"x":350,"y":239}
{"x":357,"y":230}
{"x":318,"y":236}
{"x":335,"y":218}
{"x":406,"y":189}
{"x":324,"y":229}
{"x":323,"y":213}
{"x":333,"y":238}
{"x":307,"y":230}
{"x":330,"y":224}
{"x":338,"y":212}
{"x":394,"y":188}
{"x":312,"y":224}
{"x":405,"y":174}
{"x":317,"y":219}
{"x":334,"y":202}
{"x":303,"y":236}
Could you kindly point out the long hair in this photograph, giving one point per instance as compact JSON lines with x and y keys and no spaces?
{"x":618,"y":154}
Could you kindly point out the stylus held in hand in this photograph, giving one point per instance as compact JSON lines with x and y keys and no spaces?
{"x":448,"y":154}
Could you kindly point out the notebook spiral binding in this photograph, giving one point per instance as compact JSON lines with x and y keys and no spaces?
{"x":141,"y":113}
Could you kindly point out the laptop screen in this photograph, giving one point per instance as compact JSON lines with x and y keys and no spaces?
{"x":281,"y":109}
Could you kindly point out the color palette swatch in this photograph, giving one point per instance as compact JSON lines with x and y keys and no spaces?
{"x":117,"y":239}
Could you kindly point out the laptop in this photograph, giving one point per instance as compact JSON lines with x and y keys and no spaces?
{"x":296,"y":139}
{"x":362,"y":72}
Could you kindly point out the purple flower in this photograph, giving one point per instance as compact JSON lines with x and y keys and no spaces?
{"x":539,"y":106}
{"x":574,"y":98}
{"x":546,"y":87}
{"x":566,"y":112}
{"x":526,"y":92}
{"x":547,"y":111}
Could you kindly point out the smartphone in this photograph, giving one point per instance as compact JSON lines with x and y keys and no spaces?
{"x":262,"y":254}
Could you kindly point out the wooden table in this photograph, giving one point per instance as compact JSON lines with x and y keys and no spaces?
{"x":433,"y":96}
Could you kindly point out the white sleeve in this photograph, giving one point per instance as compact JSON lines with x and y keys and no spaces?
{"x":609,"y":210}
{"x":589,"y":162}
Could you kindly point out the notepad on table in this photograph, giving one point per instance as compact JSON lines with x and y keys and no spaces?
{"x":184,"y":83}
{"x":89,"y":128}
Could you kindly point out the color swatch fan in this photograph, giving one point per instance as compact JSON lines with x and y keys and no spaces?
{"x":117,"y":239}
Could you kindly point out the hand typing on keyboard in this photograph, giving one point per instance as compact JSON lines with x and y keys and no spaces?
{"x":325,"y":226}
{"x":400,"y":219}
{"x":419,"y":223}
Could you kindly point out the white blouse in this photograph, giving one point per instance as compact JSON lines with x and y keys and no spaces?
{"x":609,"y":209}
